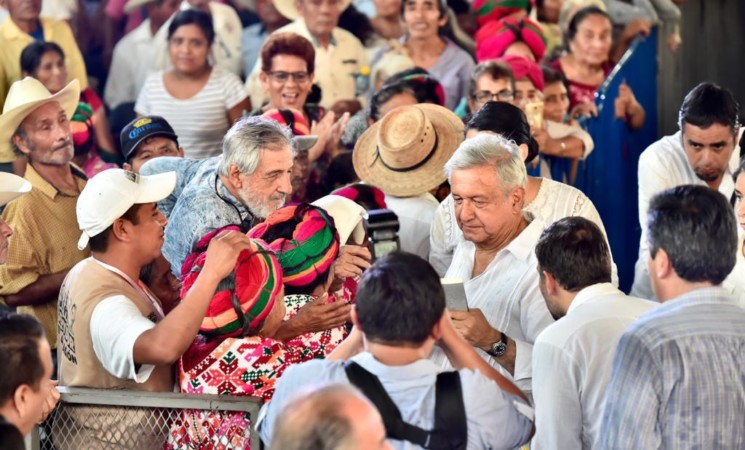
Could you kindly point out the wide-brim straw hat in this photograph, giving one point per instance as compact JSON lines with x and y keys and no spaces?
{"x":12,"y":187}
{"x":25,"y":96}
{"x":287,"y":8}
{"x":404,"y":153}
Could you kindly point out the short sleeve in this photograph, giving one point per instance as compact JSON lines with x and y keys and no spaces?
{"x":116,"y":324}
{"x":233,"y":90}
{"x":142,"y":105}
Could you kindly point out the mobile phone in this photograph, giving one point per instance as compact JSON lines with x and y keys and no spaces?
{"x":534,"y":113}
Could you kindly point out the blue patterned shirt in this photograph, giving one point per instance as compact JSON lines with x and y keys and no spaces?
{"x":200,"y":203}
{"x":678,"y":379}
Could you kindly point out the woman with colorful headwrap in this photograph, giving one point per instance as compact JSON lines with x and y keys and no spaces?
{"x":306,"y":243}
{"x":510,"y":36}
{"x":234,"y":353}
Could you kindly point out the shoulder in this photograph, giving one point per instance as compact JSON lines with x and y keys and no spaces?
{"x":666,"y":148}
{"x":344,"y":37}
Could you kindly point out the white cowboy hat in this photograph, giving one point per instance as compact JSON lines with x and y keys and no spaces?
{"x":12,"y":187}
{"x":404,"y":153}
{"x":25,"y":96}
{"x":287,"y":7}
{"x":348,"y":217}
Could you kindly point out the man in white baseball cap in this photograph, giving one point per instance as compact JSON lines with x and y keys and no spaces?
{"x":113,"y":332}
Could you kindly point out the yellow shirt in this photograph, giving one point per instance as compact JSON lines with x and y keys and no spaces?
{"x":13,"y":41}
{"x":45,"y":241}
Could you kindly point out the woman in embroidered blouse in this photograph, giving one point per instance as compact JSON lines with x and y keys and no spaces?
{"x":587,"y":63}
{"x":200,"y":101}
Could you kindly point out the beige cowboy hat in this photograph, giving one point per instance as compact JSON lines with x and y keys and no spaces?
{"x":25,"y":96}
{"x":404,"y":153}
{"x":287,"y":7}
{"x":12,"y":187}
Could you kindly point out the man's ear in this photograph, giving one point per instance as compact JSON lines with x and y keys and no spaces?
{"x":181,"y":152}
{"x":120,"y":230}
{"x":436,"y":332}
{"x":662,"y":265}
{"x":552,"y":286}
{"x":234,"y":176}
{"x":127,"y":167}
{"x":20,"y":142}
{"x":517,"y":197}
{"x":355,"y":318}
{"x":21,"y":398}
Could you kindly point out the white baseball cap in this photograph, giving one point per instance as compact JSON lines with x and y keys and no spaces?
{"x":109,"y":194}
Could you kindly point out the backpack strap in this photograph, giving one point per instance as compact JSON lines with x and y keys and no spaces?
{"x":373,"y":389}
{"x":451,"y":428}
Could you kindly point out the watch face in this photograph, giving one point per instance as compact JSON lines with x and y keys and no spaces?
{"x":498,"y":349}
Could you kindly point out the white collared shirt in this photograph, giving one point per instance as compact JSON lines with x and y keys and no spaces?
{"x":131,"y":64}
{"x":572,"y":361}
{"x":507,"y":293}
{"x":415,"y":215}
{"x":664,"y":165}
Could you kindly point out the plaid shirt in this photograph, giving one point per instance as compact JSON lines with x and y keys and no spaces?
{"x":678,"y":379}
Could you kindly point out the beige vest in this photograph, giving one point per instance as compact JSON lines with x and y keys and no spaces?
{"x":86,"y":285}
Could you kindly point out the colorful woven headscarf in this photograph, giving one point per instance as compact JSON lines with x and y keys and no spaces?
{"x":365,"y":195}
{"x":493,"y":38}
{"x":523,"y":67}
{"x":488,"y":10}
{"x":306,"y":250}
{"x":242,"y":300}
{"x":290,"y":117}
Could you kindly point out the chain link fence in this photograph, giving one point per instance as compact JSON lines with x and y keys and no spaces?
{"x":96,"y":419}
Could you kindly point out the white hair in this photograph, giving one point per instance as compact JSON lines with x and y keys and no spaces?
{"x":244,"y":141}
{"x":495,"y":151}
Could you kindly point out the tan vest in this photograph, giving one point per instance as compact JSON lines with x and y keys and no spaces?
{"x":86,"y":285}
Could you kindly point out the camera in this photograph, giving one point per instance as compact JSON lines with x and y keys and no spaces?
{"x":381,"y":227}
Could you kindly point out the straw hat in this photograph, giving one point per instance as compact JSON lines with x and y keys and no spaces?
{"x":287,"y":8}
{"x":25,"y":96}
{"x":404,"y":153}
{"x":11,"y":187}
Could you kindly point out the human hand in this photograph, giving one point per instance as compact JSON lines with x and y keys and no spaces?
{"x":50,"y":402}
{"x":315,"y":316}
{"x":637,"y":26}
{"x":351,"y":262}
{"x":223,"y":252}
{"x":474,"y":328}
{"x":584,"y":110}
{"x":625,"y":104}
{"x":673,"y":41}
{"x":541,"y":136}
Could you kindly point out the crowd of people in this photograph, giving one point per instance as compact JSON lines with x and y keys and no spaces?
{"x":223,"y":244}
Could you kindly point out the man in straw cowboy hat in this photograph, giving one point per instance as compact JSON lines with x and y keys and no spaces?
{"x":340,"y":56}
{"x":36,"y":124}
{"x":404,"y":154}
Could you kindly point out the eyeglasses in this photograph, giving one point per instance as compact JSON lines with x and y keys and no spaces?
{"x":282,"y":77}
{"x":501,"y":96}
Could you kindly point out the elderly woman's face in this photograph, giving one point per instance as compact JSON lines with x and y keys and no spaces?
{"x":188,"y":48}
{"x":288,"y":82}
{"x":592,"y":42}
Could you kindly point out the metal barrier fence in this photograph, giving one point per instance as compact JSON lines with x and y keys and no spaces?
{"x":94,"y":419}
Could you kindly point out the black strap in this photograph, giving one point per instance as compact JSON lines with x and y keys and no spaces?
{"x":450,"y":431}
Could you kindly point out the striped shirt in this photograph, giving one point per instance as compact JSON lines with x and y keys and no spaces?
{"x":678,"y":378}
{"x":200,"y":121}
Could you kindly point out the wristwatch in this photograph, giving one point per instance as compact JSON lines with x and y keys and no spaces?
{"x":499,"y":348}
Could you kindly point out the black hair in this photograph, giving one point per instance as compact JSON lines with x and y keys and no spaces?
{"x":551,"y":75}
{"x":341,"y":171}
{"x":495,"y":69}
{"x":193,"y":17}
{"x":357,"y":23}
{"x":100,"y":242}
{"x":426,"y":87}
{"x":442,"y":7}
{"x":286,"y":229}
{"x":507,"y":120}
{"x":32,"y":54}
{"x":580,"y":17}
{"x":696,"y":227}
{"x":10,"y":436}
{"x":19,"y":354}
{"x":707,"y":104}
{"x":399,"y":300}
{"x":574,"y":251}
{"x":740,"y":168}
{"x":384,"y":94}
